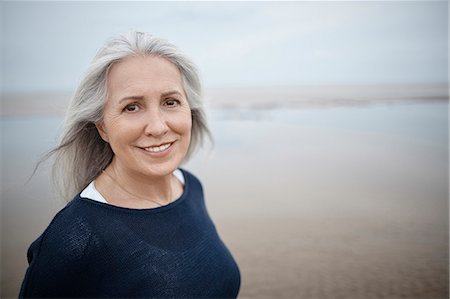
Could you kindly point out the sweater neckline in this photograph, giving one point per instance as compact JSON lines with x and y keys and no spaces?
{"x":169,"y":206}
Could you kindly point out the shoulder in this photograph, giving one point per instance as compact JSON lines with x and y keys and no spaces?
{"x":71,"y":221}
{"x":67,"y":235}
{"x":60,"y":256}
{"x":191,"y":179}
{"x":189,"y":176}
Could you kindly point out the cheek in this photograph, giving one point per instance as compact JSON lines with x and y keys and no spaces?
{"x":188,"y":126}
{"x":120,"y":131}
{"x":182,"y":123}
{"x":189,"y":123}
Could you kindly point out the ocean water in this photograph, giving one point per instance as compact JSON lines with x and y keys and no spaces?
{"x":304,"y":171}
{"x":425,"y":122}
{"x":30,"y":137}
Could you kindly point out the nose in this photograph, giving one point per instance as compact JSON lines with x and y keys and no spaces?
{"x":156,"y":124}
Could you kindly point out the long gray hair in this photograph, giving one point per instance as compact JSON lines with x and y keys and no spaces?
{"x":81,"y":153}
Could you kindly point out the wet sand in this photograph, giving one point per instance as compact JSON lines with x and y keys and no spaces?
{"x":335,"y":225}
{"x":310,"y":209}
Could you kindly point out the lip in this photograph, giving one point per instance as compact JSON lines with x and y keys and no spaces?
{"x":158,"y":154}
{"x":155,"y":145}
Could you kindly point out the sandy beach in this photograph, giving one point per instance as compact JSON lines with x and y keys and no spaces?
{"x":331,"y":200}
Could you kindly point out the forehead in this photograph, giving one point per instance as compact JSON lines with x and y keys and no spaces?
{"x":143,"y":74}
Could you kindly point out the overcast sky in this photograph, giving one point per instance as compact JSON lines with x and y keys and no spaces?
{"x":46,"y":46}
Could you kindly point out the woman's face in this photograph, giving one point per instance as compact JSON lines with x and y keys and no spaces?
{"x":147,"y":119}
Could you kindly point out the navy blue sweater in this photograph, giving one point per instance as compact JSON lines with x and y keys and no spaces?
{"x":96,"y":250}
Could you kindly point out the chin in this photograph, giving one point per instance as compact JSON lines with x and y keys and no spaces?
{"x":161,"y":169}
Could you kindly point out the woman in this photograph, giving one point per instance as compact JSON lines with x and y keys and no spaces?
{"x":139,"y":226}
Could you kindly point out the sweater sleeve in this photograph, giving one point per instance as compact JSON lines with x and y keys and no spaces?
{"x":57,"y":259}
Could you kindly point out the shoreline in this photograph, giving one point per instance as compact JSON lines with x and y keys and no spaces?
{"x":259,"y":98}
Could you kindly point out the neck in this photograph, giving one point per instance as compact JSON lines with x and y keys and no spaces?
{"x":141,"y":188}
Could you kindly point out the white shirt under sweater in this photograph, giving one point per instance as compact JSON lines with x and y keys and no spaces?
{"x":91,"y":192}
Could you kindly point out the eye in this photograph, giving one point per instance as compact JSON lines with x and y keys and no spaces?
{"x":131,"y":108}
{"x":172,"y":103}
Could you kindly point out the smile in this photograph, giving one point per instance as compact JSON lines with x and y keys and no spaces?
{"x":157,"y":149}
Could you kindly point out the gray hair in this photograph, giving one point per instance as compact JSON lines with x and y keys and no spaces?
{"x":82,"y":154}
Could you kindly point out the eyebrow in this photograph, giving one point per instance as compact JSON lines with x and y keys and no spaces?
{"x":140,"y":98}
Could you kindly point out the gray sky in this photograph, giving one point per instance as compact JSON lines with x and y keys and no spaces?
{"x":46,"y":46}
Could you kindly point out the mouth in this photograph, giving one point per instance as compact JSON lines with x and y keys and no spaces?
{"x":158,"y":148}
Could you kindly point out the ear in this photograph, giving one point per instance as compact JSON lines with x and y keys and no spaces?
{"x":101,"y":130}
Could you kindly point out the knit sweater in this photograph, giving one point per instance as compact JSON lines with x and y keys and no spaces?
{"x":96,"y":250}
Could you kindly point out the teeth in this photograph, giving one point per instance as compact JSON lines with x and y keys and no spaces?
{"x":158,"y":149}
